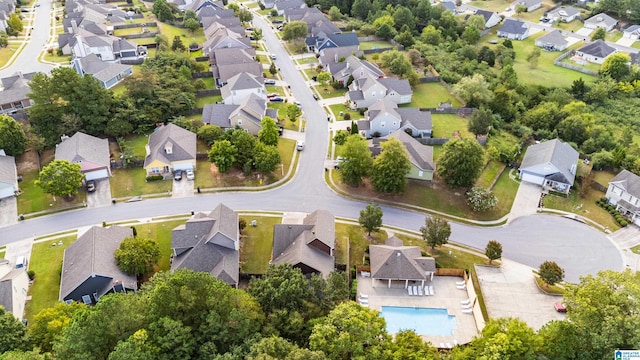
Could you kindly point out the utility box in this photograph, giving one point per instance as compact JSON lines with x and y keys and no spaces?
{"x":254,"y":223}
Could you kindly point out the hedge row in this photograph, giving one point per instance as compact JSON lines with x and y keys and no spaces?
{"x":603,"y":203}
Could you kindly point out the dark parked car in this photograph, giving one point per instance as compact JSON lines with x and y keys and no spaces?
{"x":277,"y":21}
{"x":276,"y":99}
{"x":280,"y":130}
{"x":91,"y":186}
{"x":177,"y":176}
{"x":315,"y":97}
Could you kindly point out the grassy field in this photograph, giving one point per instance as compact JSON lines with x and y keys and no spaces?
{"x":204,"y":100}
{"x":187,"y":37}
{"x":328,"y":91}
{"x":46,"y":262}
{"x":209,"y":82}
{"x":357,"y":241}
{"x":132,"y":31}
{"x":307,"y":60}
{"x":446,"y":125}
{"x":367,"y":45}
{"x":138,"y":144}
{"x":337,"y":108}
{"x":64,"y":59}
{"x":489,"y":174}
{"x":497,"y":5}
{"x":256,"y":244}
{"x":583,"y":206}
{"x":429,"y":95}
{"x":275,"y":89}
{"x":33,"y":199}
{"x":131,"y":182}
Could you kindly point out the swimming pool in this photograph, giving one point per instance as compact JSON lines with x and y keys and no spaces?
{"x":424,"y":321}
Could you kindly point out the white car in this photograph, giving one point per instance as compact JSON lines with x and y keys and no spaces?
{"x":300,"y":145}
{"x":190,"y":175}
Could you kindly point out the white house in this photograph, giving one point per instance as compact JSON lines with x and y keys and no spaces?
{"x":530,"y":5}
{"x":552,"y":41}
{"x":551,"y":164}
{"x":596,"y":52}
{"x":514,"y":30}
{"x":491,"y":18}
{"x":8,"y":176}
{"x":601,"y":21}
{"x":563,"y":13}
{"x":14,"y":285}
{"x":624,"y":193}
{"x":239,"y":87}
{"x":632,"y":32}
{"x":384,"y":118}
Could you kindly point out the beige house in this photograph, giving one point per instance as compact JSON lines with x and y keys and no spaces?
{"x":170,"y":148}
{"x":14,"y":285}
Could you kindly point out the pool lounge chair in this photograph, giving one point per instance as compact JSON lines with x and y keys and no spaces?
{"x":465,"y":302}
{"x":461,"y":282}
{"x":431,"y":292}
{"x":410,"y":290}
{"x":467,"y":306}
{"x":420,"y":290}
{"x":364,"y":296}
{"x":461,"y":287}
{"x":467,"y":311}
{"x":363,"y":302}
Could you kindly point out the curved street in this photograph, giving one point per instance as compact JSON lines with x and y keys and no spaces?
{"x":530,"y":240}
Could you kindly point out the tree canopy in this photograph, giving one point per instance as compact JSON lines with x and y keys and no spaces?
{"x":390,"y":168}
{"x":357,"y":161}
{"x":60,"y":178}
{"x":137,"y":255}
{"x":371,"y":218}
{"x":461,"y":162}
{"x":12,"y":138}
{"x":436,"y":231}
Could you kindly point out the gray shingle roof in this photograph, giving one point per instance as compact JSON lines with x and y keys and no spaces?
{"x":6,"y":291}
{"x":228,"y":56}
{"x":629,"y":181}
{"x":597,"y":48}
{"x":554,"y":38}
{"x":92,"y":254}
{"x":419,"y":155}
{"x":527,"y":3}
{"x":512,"y":26}
{"x":400,"y":86}
{"x":16,"y":88}
{"x":564,"y":11}
{"x":242,"y":81}
{"x":332,"y":55}
{"x":485,"y":14}
{"x":183,"y":144}
{"x":103,"y":71}
{"x":8,"y":172}
{"x":555,"y":152}
{"x":603,"y":19}
{"x":227,"y":71}
{"x":89,"y":151}
{"x":218,"y":114}
{"x":344,"y":39}
{"x":224,"y":21}
{"x":209,"y":243}
{"x":397,"y":262}
{"x":421,"y":120}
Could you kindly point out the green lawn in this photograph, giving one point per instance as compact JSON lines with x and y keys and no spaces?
{"x":46,"y":262}
{"x":358,"y":242}
{"x":256,"y":244}
{"x":496,"y":5}
{"x":211,"y":99}
{"x":310,"y":72}
{"x":636,"y":249}
{"x":2,"y":254}
{"x":64,"y":59}
{"x":138,"y":144}
{"x":489,"y":173}
{"x":6,"y":53}
{"x":328,"y":91}
{"x":307,"y":60}
{"x":131,"y":182}
{"x":33,"y":199}
{"x":195,"y":54}
{"x":210,"y":82}
{"x":337,"y":108}
{"x":603,"y":177}
{"x":588,"y":66}
{"x":275,"y":89}
{"x":572,"y":26}
{"x":430,"y":95}
{"x":133,"y":31}
{"x":446,"y":125}
{"x":583,"y":206}
{"x":161,"y":234}
{"x":367,"y":45}
{"x":171,"y":32}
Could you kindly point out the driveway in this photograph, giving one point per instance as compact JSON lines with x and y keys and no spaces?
{"x":8,"y":211}
{"x":584,"y":31}
{"x":511,"y":291}
{"x":526,"y":201}
{"x":102,"y":195}
{"x":182,"y":188}
{"x":625,"y":41}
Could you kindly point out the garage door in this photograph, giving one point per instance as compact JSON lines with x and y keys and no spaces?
{"x":183,"y":166}
{"x":535,"y":179}
{"x":96,"y":174}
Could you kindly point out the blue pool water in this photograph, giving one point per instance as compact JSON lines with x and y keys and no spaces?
{"x":424,"y":321}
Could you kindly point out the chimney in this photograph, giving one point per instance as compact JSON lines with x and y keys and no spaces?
{"x":20,"y":74}
{"x":63,"y":138}
{"x":74,"y":25}
{"x":168,"y":148}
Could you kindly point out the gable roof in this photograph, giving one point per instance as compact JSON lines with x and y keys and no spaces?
{"x":419,"y":155}
{"x":527,"y":3}
{"x":15,"y":88}
{"x":8,"y":172}
{"x":398,"y":262}
{"x":564,"y":11}
{"x":555,"y":38}
{"x":89,"y":151}
{"x":8,"y":290}
{"x":218,"y":114}
{"x":512,"y":26}
{"x":231,"y":22}
{"x":183,"y":144}
{"x":332,"y":55}
{"x":554,"y":152}
{"x":344,"y":39}
{"x":242,"y":81}
{"x":400,"y":86}
{"x":310,"y":243}
{"x":598,"y":48}
{"x":103,"y":71}
{"x":209,"y":243}
{"x":632,"y":29}
{"x":485,"y":14}
{"x":228,"y":56}
{"x":629,"y":181}
{"x":92,"y":255}
{"x":601,"y":18}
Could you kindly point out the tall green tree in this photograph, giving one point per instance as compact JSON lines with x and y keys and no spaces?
{"x":461,"y":162}
{"x":473,"y":90}
{"x":163,"y":11}
{"x":357,"y":160}
{"x":503,"y":338}
{"x":245,"y":143}
{"x":616,"y":66}
{"x":371,"y":218}
{"x":191,"y":24}
{"x":177,"y":44}
{"x":436,"y":231}
{"x":266,"y":157}
{"x":599,"y":34}
{"x":223,"y":155}
{"x":283,"y":287}
{"x":409,"y":345}
{"x":551,"y":273}
{"x":210,"y":134}
{"x":294,"y":30}
{"x":13,"y":333}
{"x":481,"y":121}
{"x":137,"y":255}
{"x":493,"y":250}
{"x":361,"y":8}
{"x":15,"y":22}
{"x":49,"y":324}
{"x":12,"y":138}
{"x":390,"y":168}
{"x":293,"y":112}
{"x":60,"y":178}
{"x":268,"y":133}
{"x":275,"y":347}
{"x":324,"y":78}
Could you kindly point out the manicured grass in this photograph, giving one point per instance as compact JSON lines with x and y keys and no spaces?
{"x":145,"y":41}
{"x":307,"y":60}
{"x":138,"y":143}
{"x":2,"y":254}
{"x":256,"y":244}
{"x":310,"y":72}
{"x":210,"y":82}
{"x":583,"y":206}
{"x":551,"y":289}
{"x":337,"y":108}
{"x":587,"y":66}
{"x":603,"y":177}
{"x":497,"y":6}
{"x":533,"y":16}
{"x":430,"y":95}
{"x":46,"y":262}
{"x":131,"y":182}
{"x":195,"y":54}
{"x":33,"y":199}
{"x":635,"y":249}
{"x":64,"y":59}
{"x":171,"y":32}
{"x":7,"y":52}
{"x":571,"y":27}
{"x":613,"y":36}
{"x":211,"y":99}
{"x":329,"y":92}
{"x":446,"y":125}
{"x":367,"y":45}
{"x":133,"y":31}
{"x":161,"y":234}
{"x":275,"y":89}
{"x":489,"y":173}
{"x":358,"y":242}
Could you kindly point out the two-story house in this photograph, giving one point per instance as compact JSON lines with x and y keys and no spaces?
{"x":352,"y":67}
{"x":366,"y":90}
{"x":247,"y":114}
{"x":13,"y":96}
{"x":624,"y":193}
{"x":241,"y":86}
{"x":384,"y":118}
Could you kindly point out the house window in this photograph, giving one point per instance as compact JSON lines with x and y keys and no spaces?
{"x":86,"y":299}
{"x":394,"y":123}
{"x":382,"y":124}
{"x":239,"y":122}
{"x":420,"y":173}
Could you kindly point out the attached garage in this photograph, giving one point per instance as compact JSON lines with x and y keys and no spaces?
{"x":96,"y":174}
{"x":531,"y":178}
{"x":183,"y":166}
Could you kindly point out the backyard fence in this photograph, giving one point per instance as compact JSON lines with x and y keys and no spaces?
{"x":131,"y":26}
{"x":203,"y":93}
{"x":201,"y":58}
{"x":195,"y":111}
{"x":150,"y":35}
{"x":558,"y":62}
{"x":596,"y":185}
{"x":445,"y":110}
{"x":200,"y":75}
{"x":138,"y":61}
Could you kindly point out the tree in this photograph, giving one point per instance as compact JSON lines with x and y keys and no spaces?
{"x":616,"y":66}
{"x":294,"y":30}
{"x":386,"y":31}
{"x":13,"y":333}
{"x":436,"y":231}
{"x":493,"y":250}
{"x":137,"y":255}
{"x":599,"y":34}
{"x":210,"y":133}
{"x":269,"y":133}
{"x":282,"y":287}
{"x":473,"y":90}
{"x":471,"y":35}
{"x":4,"y":39}
{"x":49,"y":324}
{"x":163,"y":11}
{"x":340,"y":137}
{"x":533,"y":57}
{"x":396,"y":62}
{"x":409,"y":345}
{"x":177,"y":44}
{"x":334,"y":13}
{"x":192,"y":25}
{"x":403,"y":16}
{"x":390,"y":168}
{"x":405,"y":39}
{"x":371,"y":218}
{"x":502,"y":338}
{"x":323,"y":78}
{"x":12,"y":138}
{"x":361,"y":8}
{"x":550,"y":273}
{"x":487,"y":55}
{"x":275,"y":347}
{"x":245,"y":143}
{"x":15,"y":22}
{"x":431,"y":35}
{"x":273,"y":69}
{"x":293,"y":112}
{"x":481,"y":121}
{"x":60,"y":178}
{"x":357,"y":160}
{"x":350,"y":331}
{"x":266,"y":157}
{"x":223,"y":155}
{"x":508,"y":77}
{"x":480,"y":199}
{"x":257,"y":34}
{"x":245,"y":15}
{"x":461,"y":162}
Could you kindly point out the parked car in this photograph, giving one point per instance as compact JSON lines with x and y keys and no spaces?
{"x":177,"y":176}
{"x":91,"y":186}
{"x":272,"y":95}
{"x":190,"y":175}
{"x":273,"y":56}
{"x":276,"y":99}
{"x":315,"y":97}
{"x":269,"y":82}
{"x":300,"y":145}
{"x":560,"y":307}
{"x":298,"y":103}
{"x":339,"y":160}
{"x":280,"y":130}
{"x":277,"y":21}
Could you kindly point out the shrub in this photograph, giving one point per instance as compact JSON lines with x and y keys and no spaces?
{"x":623,"y":223}
{"x":354,"y":288}
{"x":154,"y":178}
{"x":347,"y":116}
{"x":31,"y":274}
{"x":242,"y":224}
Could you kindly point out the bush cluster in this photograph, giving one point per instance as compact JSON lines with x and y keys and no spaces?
{"x":602,"y":202}
{"x":154,"y":178}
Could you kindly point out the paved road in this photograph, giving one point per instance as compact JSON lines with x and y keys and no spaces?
{"x":27,"y":60}
{"x":530,"y":240}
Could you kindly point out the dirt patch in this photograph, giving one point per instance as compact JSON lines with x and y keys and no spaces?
{"x":27,"y":162}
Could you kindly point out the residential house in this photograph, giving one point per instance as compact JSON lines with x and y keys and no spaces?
{"x":232,"y":23}
{"x":310,"y":15}
{"x":229,"y":62}
{"x":632,"y":32}
{"x":308,"y":246}
{"x":385,"y":117}
{"x":530,"y":5}
{"x":90,"y":152}
{"x":328,"y":41}
{"x":420,"y":156}
{"x":109,"y":74}
{"x":282,"y":5}
{"x":241,"y":86}
{"x":596,"y":52}
{"x":202,"y":7}
{"x":224,"y":38}
{"x":394,"y":261}
{"x":491,"y":18}
{"x":552,"y":41}
{"x":106,"y":47}
{"x":8,"y":176}
{"x":366,"y":90}
{"x":13,"y":96}
{"x":335,"y":55}
{"x":89,"y":269}
{"x":624,"y":193}
{"x":551,"y":164}
{"x":353,"y":66}
{"x":247,"y":114}
{"x":219,"y":30}
{"x":209,"y":243}
{"x":563,"y":14}
{"x":170,"y":148}
{"x":14,"y":286}
{"x":601,"y":20}
{"x":514,"y":30}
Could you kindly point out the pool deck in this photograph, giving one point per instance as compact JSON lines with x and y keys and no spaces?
{"x":447,"y":296}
